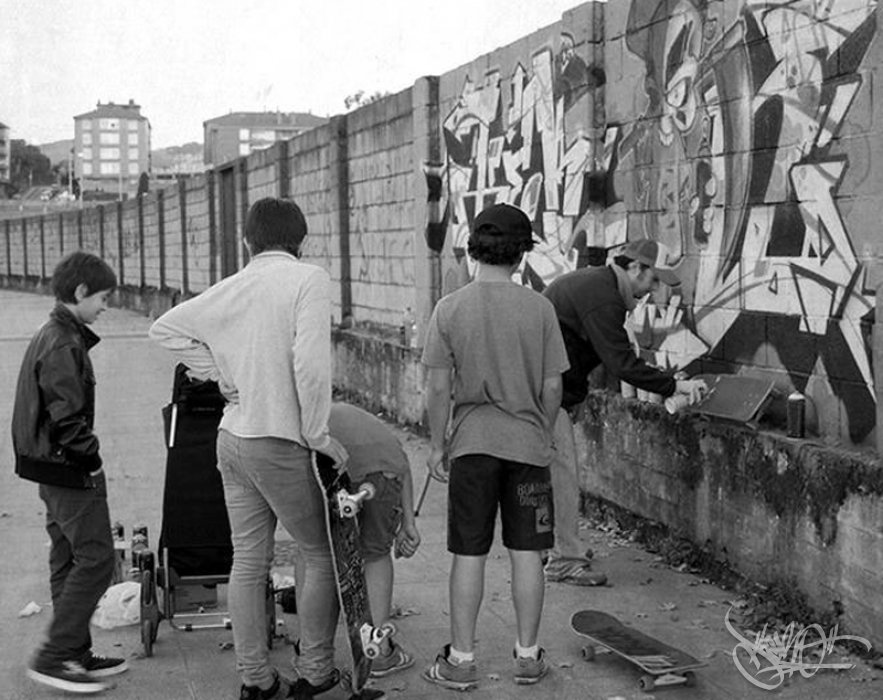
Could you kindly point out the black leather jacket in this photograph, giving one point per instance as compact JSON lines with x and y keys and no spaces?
{"x":55,"y":405}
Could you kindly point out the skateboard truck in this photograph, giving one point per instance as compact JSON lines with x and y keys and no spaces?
{"x":348,"y":504}
{"x":373,"y":637}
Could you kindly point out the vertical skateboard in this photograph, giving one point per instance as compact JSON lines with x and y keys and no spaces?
{"x":661,"y":663}
{"x":342,"y":504}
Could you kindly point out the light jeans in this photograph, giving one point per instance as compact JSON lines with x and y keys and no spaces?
{"x":265,"y":479}
{"x":565,"y":491}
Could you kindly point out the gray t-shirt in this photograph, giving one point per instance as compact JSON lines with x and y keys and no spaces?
{"x":502,"y":340}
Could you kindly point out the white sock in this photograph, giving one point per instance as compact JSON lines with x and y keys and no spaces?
{"x":460,"y":657}
{"x":527,"y":652}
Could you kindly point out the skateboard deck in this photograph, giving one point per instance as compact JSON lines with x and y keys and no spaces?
{"x":341,"y":506}
{"x":661,"y":663}
{"x":734,"y":397}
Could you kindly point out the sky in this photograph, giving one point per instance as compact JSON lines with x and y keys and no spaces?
{"x":185,"y":61}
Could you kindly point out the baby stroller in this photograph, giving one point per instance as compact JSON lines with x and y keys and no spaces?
{"x":195,"y":550}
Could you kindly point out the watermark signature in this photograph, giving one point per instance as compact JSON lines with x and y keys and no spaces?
{"x":779,"y":655}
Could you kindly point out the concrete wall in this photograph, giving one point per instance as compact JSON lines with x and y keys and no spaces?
{"x":776,"y":509}
{"x":743,"y":136}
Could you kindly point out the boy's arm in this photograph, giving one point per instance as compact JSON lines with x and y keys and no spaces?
{"x":64,"y":394}
{"x":438,"y":406}
{"x":553,"y":388}
{"x":311,"y":354}
{"x":408,"y":538}
{"x":176,"y":332}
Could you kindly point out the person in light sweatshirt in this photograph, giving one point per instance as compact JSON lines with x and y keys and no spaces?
{"x":263,"y":334}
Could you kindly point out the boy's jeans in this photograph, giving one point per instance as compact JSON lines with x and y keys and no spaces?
{"x":81,"y":562}
{"x":265,"y":479}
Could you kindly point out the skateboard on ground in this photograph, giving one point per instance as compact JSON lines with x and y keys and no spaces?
{"x":662,"y":664}
{"x":342,"y":504}
{"x":732,"y":397}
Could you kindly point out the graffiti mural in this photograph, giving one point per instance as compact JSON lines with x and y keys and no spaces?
{"x":744,"y":105}
{"x":505,"y":142}
{"x":721,"y":143}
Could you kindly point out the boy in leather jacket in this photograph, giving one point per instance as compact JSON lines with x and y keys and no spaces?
{"x":56,"y":447}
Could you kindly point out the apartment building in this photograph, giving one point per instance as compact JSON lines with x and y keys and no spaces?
{"x":239,"y":133}
{"x":111,"y":149}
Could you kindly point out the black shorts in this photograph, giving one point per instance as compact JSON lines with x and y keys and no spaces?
{"x":478,"y":484}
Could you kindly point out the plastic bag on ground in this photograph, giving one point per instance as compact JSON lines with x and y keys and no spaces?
{"x":119,"y":606}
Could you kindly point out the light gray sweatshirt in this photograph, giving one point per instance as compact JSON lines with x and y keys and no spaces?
{"x":264,"y":334}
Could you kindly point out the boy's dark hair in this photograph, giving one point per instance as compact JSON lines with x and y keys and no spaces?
{"x":275,"y":224}
{"x":81,"y":268}
{"x":491,"y":248}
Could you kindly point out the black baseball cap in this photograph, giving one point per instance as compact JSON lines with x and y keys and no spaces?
{"x":504,"y":220}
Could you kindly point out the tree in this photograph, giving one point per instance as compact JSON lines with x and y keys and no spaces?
{"x":360,"y":99}
{"x":28,"y":166}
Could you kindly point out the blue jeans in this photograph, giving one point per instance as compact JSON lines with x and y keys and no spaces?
{"x":81,"y":562}
{"x":265,"y":479}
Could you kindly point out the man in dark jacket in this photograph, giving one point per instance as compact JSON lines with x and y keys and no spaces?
{"x":55,"y":446}
{"x":591,"y":305}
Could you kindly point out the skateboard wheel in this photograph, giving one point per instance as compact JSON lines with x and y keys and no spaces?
{"x":372,"y":650}
{"x":347,"y":510}
{"x":369,"y":490}
{"x":689,"y":679}
{"x":388,"y":629}
{"x":589,"y":653}
{"x":646,"y":683}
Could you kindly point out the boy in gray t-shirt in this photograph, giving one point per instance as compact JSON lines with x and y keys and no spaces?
{"x":497,"y":346}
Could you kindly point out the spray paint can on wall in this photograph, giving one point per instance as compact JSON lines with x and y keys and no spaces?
{"x":796,"y":415}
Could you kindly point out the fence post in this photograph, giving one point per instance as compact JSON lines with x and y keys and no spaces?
{"x":182,"y":208}
{"x":161,"y":235}
{"x":8,"y":250}
{"x":243,"y":209}
{"x":42,"y":249}
{"x":24,"y":249}
{"x":212,"y":229}
{"x":283,"y":171}
{"x":101,"y":230}
{"x":121,"y":248}
{"x":338,"y":187}
{"x":428,"y":226}
{"x":141,"y":254}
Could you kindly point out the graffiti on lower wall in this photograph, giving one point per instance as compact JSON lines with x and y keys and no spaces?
{"x":727,"y":152}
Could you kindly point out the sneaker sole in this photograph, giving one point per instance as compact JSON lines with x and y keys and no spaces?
{"x":69,"y":686}
{"x":392,"y":669}
{"x":529,"y":680}
{"x":110,"y":671}
{"x":462,"y":686}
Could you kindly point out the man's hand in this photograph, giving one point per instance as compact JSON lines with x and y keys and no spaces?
{"x":693,"y":388}
{"x":337,"y":452}
{"x":437,"y":464}
{"x":407,"y":540}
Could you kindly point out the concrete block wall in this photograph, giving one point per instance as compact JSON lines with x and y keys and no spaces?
{"x":776,"y":509}
{"x":380,"y":205}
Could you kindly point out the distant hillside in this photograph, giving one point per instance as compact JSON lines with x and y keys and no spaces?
{"x":57,"y":151}
{"x":186,"y":158}
{"x":177,"y":159}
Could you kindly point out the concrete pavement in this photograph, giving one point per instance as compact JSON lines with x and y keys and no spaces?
{"x":134,"y":382}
